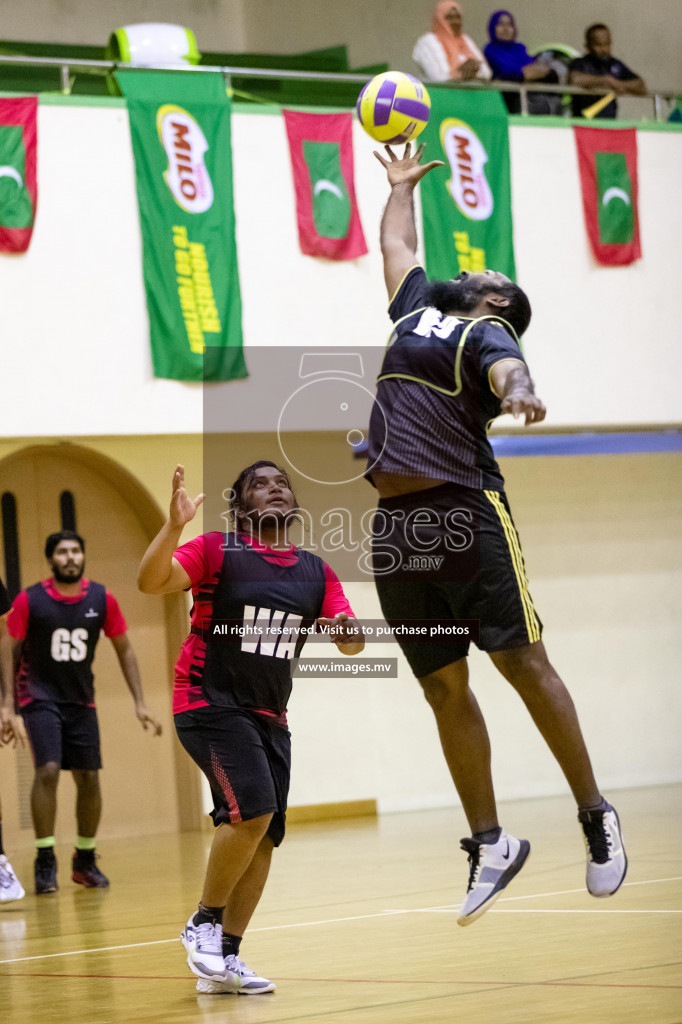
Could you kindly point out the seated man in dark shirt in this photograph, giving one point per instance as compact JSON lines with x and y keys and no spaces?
{"x":599,"y":69}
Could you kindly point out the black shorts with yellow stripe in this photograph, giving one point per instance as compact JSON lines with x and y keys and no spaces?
{"x":445,"y":554}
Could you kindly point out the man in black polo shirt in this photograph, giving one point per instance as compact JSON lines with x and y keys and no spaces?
{"x":598,"y":69}
{"x":445,"y":547}
{"x":57,"y":625}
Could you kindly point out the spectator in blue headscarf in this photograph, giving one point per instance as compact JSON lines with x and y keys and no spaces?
{"x":511,"y":62}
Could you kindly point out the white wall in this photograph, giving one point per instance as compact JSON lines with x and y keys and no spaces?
{"x":90,"y":22}
{"x":602,"y":346}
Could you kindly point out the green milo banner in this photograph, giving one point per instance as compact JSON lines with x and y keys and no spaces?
{"x":180,"y":128}
{"x":466,"y":205}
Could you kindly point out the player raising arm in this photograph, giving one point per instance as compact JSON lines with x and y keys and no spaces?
{"x":454,"y":363}
{"x":230,"y":698}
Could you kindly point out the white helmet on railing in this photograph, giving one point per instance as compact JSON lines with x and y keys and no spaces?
{"x":153,"y":43}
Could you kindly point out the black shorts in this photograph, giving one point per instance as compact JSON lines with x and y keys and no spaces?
{"x":246,"y":759}
{"x":452,"y":552}
{"x":65,"y":733}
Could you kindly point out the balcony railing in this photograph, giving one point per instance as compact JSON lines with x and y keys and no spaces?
{"x":663,"y":101}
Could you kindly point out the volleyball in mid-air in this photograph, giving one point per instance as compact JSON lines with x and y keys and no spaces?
{"x":394,"y":107}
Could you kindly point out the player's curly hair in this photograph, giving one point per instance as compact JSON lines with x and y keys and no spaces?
{"x":241,"y":486}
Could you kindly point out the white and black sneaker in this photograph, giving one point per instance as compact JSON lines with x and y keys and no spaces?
{"x":607,"y":863}
{"x":10,"y":886}
{"x":204,"y":945}
{"x":240,"y":980}
{"x":491,"y":868}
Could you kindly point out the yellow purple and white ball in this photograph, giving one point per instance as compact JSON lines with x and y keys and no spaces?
{"x":393,"y":107}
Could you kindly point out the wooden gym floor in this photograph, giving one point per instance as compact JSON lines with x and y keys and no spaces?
{"x":357,"y":926}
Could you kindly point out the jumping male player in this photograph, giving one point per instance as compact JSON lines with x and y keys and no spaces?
{"x":230,"y":698}
{"x":452,"y":365}
{"x":57,"y":624}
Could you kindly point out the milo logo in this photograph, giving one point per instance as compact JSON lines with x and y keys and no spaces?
{"x":185,"y":144}
{"x":467,"y":157}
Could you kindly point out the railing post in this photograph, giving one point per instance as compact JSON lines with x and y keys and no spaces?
{"x":66,"y":81}
{"x":523,"y":93}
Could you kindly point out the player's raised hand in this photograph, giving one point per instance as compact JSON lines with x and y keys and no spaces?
{"x":182,"y":508}
{"x":406,"y":169}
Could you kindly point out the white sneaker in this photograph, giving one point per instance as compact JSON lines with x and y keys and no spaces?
{"x":241,"y":981}
{"x":491,"y":868}
{"x":10,"y":886}
{"x":607,"y":863}
{"x":204,"y":945}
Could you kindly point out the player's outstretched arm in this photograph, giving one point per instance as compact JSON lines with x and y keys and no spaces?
{"x":159,"y":572}
{"x":398,"y":228}
{"x":131,"y":673}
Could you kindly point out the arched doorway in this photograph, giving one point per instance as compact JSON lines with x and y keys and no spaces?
{"x":149,"y":785}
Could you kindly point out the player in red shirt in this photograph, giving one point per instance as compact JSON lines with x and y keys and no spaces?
{"x":230,"y":697}
{"x":10,"y":886}
{"x":56,"y":625}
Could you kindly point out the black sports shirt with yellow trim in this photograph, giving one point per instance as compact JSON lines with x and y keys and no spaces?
{"x":434,"y":399}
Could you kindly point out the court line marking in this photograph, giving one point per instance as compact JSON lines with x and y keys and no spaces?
{"x":542,"y":895}
{"x":352,"y":981}
{"x":521,"y":910}
{"x":80,"y":952}
{"x":362,"y":917}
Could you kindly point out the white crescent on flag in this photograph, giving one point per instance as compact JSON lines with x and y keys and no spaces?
{"x":325,"y":185}
{"x":615,"y":193}
{"x":11,"y":172}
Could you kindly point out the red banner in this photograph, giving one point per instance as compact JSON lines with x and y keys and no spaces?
{"x":607,"y":160}
{"x":321,"y":150}
{"x":18,"y":171}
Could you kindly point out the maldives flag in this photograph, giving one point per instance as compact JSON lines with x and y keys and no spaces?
{"x":607,"y":160}
{"x":18,"y":178}
{"x":321,"y":150}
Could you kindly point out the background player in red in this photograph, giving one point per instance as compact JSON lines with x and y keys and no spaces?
{"x":230,"y":699}
{"x":10,"y":886}
{"x":57,"y":625}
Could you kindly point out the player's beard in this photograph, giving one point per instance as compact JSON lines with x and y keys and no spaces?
{"x":62,"y":577}
{"x":271,"y":519}
{"x":457,"y":296}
